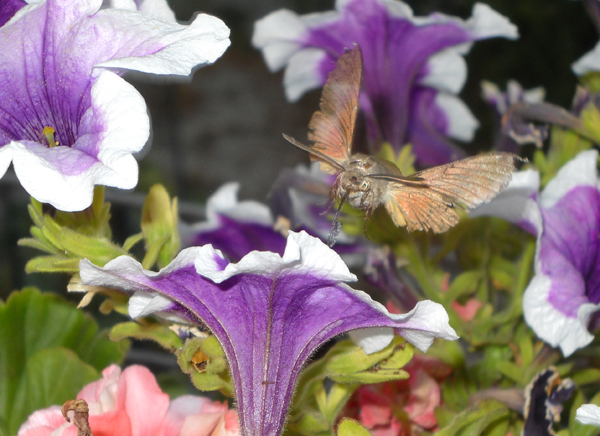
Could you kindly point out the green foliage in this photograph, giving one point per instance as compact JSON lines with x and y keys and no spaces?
{"x":68,"y":238}
{"x":346,"y":367}
{"x":200,"y":355}
{"x":50,"y":350}
{"x":204,"y":360}
{"x":159,"y":227}
{"x":350,"y":427}
{"x":489,"y":418}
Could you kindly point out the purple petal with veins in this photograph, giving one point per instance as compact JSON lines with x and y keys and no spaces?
{"x":270,"y":313}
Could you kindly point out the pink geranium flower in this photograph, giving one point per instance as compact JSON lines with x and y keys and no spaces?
{"x":130,"y":403}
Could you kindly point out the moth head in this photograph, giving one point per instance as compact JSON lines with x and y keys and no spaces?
{"x":360,"y":183}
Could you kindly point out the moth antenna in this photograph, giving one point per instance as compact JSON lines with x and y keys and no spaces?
{"x":314,"y":152}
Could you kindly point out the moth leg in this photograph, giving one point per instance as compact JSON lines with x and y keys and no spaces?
{"x":367,"y":217}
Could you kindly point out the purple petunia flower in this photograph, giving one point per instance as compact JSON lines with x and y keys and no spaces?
{"x":68,"y":121}
{"x":413,"y":66}
{"x":238,"y":227}
{"x":565,"y":290}
{"x":234,"y":227}
{"x":270,"y":313}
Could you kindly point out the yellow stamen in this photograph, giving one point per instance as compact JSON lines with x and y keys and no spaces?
{"x":48,"y":132}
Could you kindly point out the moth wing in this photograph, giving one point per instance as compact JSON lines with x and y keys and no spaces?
{"x":332,"y":127}
{"x":420,"y":208}
{"x":430,"y":202}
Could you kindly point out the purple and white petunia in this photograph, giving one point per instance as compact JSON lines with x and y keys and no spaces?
{"x":565,"y":217}
{"x":413,"y":66}
{"x":238,"y":227}
{"x":270,"y":313}
{"x":234,"y":227}
{"x":68,"y":121}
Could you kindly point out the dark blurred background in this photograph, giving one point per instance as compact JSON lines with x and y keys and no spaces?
{"x":226,"y":124}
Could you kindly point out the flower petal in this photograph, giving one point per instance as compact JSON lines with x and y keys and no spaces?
{"x":236,"y":228}
{"x":588,"y":414}
{"x":163,"y":47}
{"x":8,"y":8}
{"x":156,"y":8}
{"x":270,"y":313}
{"x":589,"y":62}
{"x":53,"y":75}
{"x":517,"y":203}
{"x":580,"y":171}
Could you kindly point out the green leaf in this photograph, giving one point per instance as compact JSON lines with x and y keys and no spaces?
{"x":475,"y":421}
{"x":153,"y":331}
{"x":586,"y":376}
{"x":30,"y":322}
{"x":51,"y":377}
{"x":350,"y":427}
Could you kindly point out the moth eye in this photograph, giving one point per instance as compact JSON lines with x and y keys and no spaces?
{"x":364,"y":185}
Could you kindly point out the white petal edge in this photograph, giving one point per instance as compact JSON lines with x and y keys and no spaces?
{"x":156,"y":8}
{"x":146,"y":303}
{"x":201,"y":42}
{"x":302,"y":73}
{"x":128,"y":266}
{"x":224,"y":201}
{"x":579,"y":171}
{"x":589,"y":62}
{"x":515,"y":203}
{"x":278,"y":35}
{"x":303,"y":254}
{"x":127,"y":127}
{"x":487,"y":23}
{"x":372,"y":339}
{"x":425,"y":322}
{"x":588,"y":414}
{"x":6,"y":157}
{"x":551,"y":325}
{"x":461,"y":121}
{"x":447,"y":69}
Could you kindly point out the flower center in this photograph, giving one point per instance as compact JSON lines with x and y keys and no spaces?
{"x":48,"y":133}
